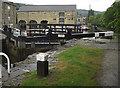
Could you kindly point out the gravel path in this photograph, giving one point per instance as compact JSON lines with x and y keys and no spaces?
{"x":107,"y":75}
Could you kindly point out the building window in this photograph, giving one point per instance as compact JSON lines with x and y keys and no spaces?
{"x":78,"y":20}
{"x":22,"y":24}
{"x":68,"y":19}
{"x":61,"y":21}
{"x":8,"y":10}
{"x":55,"y":13}
{"x":33,"y":24}
{"x":9,"y":20}
{"x":8,"y":14}
{"x":69,"y":14}
{"x":1,"y":5}
{"x":54,"y":19}
{"x":33,"y":13}
{"x":44,"y":13}
{"x":61,"y":14}
{"x":21,"y":14}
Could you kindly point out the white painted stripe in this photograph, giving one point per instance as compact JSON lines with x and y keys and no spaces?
{"x":62,"y":36}
{"x":27,"y":43}
{"x":25,"y":70}
{"x":96,"y":34}
{"x":42,"y":43}
{"x":109,"y":33}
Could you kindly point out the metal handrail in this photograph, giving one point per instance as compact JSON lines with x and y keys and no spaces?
{"x":8,"y":60}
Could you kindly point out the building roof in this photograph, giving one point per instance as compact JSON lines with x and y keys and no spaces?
{"x":48,"y":8}
{"x":3,"y":0}
{"x":8,"y":2}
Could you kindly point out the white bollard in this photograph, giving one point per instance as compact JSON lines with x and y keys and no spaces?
{"x":42,"y":64}
{"x":42,"y":57}
{"x":97,"y":34}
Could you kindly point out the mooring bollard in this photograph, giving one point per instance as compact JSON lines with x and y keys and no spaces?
{"x":42,"y":64}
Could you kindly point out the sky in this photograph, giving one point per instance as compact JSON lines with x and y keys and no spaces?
{"x":97,"y":5}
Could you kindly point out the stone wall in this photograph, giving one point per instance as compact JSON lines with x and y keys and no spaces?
{"x":0,"y":14}
{"x":70,"y":17}
{"x":6,"y":14}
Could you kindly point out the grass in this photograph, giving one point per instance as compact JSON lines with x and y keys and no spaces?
{"x":77,"y":67}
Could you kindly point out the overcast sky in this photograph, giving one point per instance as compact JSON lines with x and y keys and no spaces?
{"x":98,"y":5}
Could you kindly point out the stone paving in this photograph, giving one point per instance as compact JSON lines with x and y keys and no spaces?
{"x":28,"y":65}
{"x":109,"y":69}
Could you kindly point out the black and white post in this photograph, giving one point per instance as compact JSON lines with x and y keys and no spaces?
{"x":42,"y":65}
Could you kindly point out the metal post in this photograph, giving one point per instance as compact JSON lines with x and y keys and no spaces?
{"x":62,"y":28}
{"x":8,"y":61}
{"x":77,"y":28}
{"x":39,"y":26}
{"x":55,"y":28}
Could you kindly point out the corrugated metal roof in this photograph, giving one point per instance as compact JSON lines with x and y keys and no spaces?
{"x":48,"y":8}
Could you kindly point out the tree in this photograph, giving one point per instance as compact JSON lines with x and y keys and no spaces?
{"x":90,"y":13}
{"x":98,"y":20}
{"x":110,"y":19}
{"x":116,"y":21}
{"x":112,"y":16}
{"x":109,"y":16}
{"x":90,"y":17}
